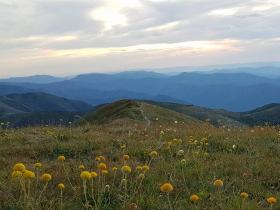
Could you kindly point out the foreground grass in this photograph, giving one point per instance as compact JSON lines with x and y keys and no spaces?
{"x":189,"y":157}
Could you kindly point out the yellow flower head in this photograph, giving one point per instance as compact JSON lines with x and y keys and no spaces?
{"x":19,"y":167}
{"x":81,"y":166}
{"x":153,"y":154}
{"x":139,"y":168}
{"x":126,"y":157}
{"x":145,"y":168}
{"x":105,"y":172}
{"x":46,"y":177}
{"x":244,"y":195}
{"x":102,"y":166}
{"x":194,"y":198}
{"x":218,"y":183}
{"x":28,"y":174}
{"x":114,"y":168}
{"x":85,"y":175}
{"x":126,"y":169}
{"x":97,"y":159}
{"x":61,"y":186}
{"x":271,"y":200}
{"x":93,"y":174}
{"x":38,"y":165}
{"x":16,"y":174}
{"x":61,"y":158}
{"x":132,"y":206}
{"x":166,"y":187}
{"x":102,"y":158}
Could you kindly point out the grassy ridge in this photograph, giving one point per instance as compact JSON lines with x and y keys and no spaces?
{"x":190,"y":157}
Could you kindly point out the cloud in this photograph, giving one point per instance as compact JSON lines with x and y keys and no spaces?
{"x":224,"y":12}
{"x":50,"y":32}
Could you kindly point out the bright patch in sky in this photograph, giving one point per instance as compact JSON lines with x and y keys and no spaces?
{"x":224,"y":12}
{"x":191,"y":46}
{"x":164,"y":27}
{"x":112,"y":13}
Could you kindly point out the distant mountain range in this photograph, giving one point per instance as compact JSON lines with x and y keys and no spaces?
{"x":238,"y":90}
{"x":35,"y":108}
{"x":40,"y":108}
{"x":37,"y":79}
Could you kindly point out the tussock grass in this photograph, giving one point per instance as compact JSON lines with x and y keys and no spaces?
{"x":190,"y":157}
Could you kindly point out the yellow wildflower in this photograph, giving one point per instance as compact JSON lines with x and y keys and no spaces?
{"x":166,"y":187}
{"x":194,"y":198}
{"x":19,"y":167}
{"x":126,"y":169}
{"x":85,"y":175}
{"x":46,"y":177}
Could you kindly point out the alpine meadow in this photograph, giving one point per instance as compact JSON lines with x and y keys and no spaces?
{"x":139,"y":105}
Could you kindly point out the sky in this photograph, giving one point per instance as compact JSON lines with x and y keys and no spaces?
{"x":67,"y":37}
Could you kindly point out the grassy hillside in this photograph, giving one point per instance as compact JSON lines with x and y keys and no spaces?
{"x":39,"y":108}
{"x":188,"y":156}
{"x":216,"y":117}
{"x":151,"y":111}
{"x":267,"y":114}
{"x":6,"y":89}
{"x":36,"y":102}
{"x":134,"y":110}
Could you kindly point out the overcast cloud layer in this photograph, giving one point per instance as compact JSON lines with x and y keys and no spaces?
{"x":64,"y":37}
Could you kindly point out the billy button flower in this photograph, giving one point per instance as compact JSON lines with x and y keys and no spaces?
{"x":194,"y":198}
{"x":102,"y":166}
{"x":16,"y":174}
{"x":85,"y":176}
{"x":126,"y":157}
{"x":271,"y":201}
{"x":139,"y":168}
{"x":167,"y":188}
{"x":19,"y":167}
{"x":153,"y":154}
{"x":132,"y":206}
{"x":93,"y":174}
{"x":38,"y":165}
{"x":81,"y":167}
{"x":244,"y":195}
{"x":102,"y":158}
{"x":28,"y":174}
{"x":61,"y":158}
{"x":46,"y":177}
{"x":126,"y":169}
{"x":61,"y":188}
{"x":105,"y":172}
{"x":145,"y":168}
{"x":218,"y":183}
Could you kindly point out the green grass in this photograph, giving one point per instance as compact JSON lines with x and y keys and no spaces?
{"x":253,"y":166}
